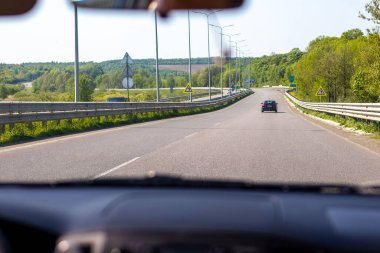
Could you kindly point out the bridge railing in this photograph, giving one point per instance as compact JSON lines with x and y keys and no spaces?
{"x":368,"y":111}
{"x":23,"y":112}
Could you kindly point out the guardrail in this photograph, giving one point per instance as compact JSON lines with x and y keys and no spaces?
{"x":23,"y":112}
{"x":368,"y":111}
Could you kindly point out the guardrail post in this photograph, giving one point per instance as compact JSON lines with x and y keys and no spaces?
{"x":30,"y":126}
{"x":44,"y":124}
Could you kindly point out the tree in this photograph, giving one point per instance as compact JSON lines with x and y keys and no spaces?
{"x":85,"y":91}
{"x":3,"y":91}
{"x":373,"y":9}
{"x":352,"y":34}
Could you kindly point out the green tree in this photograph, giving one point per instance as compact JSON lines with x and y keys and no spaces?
{"x":3,"y":91}
{"x":373,"y":9}
{"x":85,"y":91}
{"x":352,"y":34}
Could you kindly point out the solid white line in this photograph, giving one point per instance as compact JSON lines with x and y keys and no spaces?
{"x":191,"y":135}
{"x":115,"y":168}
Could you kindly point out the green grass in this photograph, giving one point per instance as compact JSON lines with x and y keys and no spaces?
{"x":37,"y":130}
{"x":349,"y":122}
{"x":137,"y":95}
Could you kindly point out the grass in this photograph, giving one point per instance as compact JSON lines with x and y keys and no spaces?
{"x":349,"y":122}
{"x":37,"y":130}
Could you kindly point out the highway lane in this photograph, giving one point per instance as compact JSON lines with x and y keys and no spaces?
{"x":238,"y":142}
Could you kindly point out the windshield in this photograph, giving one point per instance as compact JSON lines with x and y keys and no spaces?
{"x":183,"y":95}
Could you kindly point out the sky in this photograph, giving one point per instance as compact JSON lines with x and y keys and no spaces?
{"x":265,"y":26}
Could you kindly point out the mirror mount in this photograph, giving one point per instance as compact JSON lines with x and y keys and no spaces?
{"x":12,"y":7}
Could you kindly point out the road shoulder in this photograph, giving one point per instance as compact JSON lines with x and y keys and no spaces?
{"x":366,"y":141}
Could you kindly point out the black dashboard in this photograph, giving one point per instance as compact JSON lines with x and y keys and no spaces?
{"x":97,"y":219}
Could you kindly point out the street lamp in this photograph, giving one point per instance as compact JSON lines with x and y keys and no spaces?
{"x":76,"y":68}
{"x":229,"y":62}
{"x":221,"y":53}
{"x":241,"y":56}
{"x":188,"y":22}
{"x":207,"y":14}
{"x":236,"y":57}
{"x":157,"y":70}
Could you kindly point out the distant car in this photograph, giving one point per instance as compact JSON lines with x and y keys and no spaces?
{"x":117,"y":99}
{"x":269,"y":105}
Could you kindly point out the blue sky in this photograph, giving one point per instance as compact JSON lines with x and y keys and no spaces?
{"x":268,"y":26}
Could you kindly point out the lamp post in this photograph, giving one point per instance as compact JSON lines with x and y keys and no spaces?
{"x":236,"y":58}
{"x":189,"y":28}
{"x":221,"y":54}
{"x":76,"y":68}
{"x":157,"y":70}
{"x":241,"y":56}
{"x":229,"y":62}
{"x":207,"y":14}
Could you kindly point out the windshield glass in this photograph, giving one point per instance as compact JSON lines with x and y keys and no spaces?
{"x":183,"y":95}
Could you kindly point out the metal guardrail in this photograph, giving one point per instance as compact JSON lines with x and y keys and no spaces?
{"x":23,"y":112}
{"x":368,"y":111}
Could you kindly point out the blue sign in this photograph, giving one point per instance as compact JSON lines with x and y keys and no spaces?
{"x":292,"y":79}
{"x":293,"y":85}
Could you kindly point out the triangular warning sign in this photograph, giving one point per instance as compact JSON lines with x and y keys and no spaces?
{"x":321,"y":92}
{"x":188,"y":89}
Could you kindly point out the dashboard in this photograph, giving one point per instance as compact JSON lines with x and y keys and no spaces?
{"x":175,"y":220}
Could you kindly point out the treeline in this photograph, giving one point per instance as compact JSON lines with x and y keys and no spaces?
{"x":348,"y":68}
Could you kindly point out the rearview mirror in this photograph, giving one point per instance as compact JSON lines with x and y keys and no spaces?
{"x":16,"y":7}
{"x":162,"y":6}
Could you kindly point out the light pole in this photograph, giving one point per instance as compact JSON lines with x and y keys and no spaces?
{"x":229,"y":62}
{"x":241,"y":56}
{"x":76,"y":68}
{"x":221,"y":54}
{"x":188,"y":22}
{"x":236,"y":58}
{"x":157,"y":70}
{"x":207,"y":14}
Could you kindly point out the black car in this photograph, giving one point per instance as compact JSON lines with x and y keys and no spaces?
{"x":269,"y":105}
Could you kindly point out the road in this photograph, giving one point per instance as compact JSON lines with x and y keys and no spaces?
{"x":238,"y":142}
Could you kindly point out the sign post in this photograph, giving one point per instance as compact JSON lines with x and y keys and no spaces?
{"x":188,"y":89}
{"x":321,"y":93}
{"x":292,"y":84}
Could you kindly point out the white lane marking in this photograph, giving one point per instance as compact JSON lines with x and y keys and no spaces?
{"x":115,"y":168}
{"x":191,"y":135}
{"x":217,"y":124}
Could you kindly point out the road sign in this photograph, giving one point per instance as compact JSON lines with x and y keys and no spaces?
{"x":293,"y":85}
{"x":292,"y":79}
{"x":321,"y":92}
{"x":188,"y":89}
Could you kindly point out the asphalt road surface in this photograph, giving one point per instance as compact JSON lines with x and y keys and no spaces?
{"x":238,"y":142}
